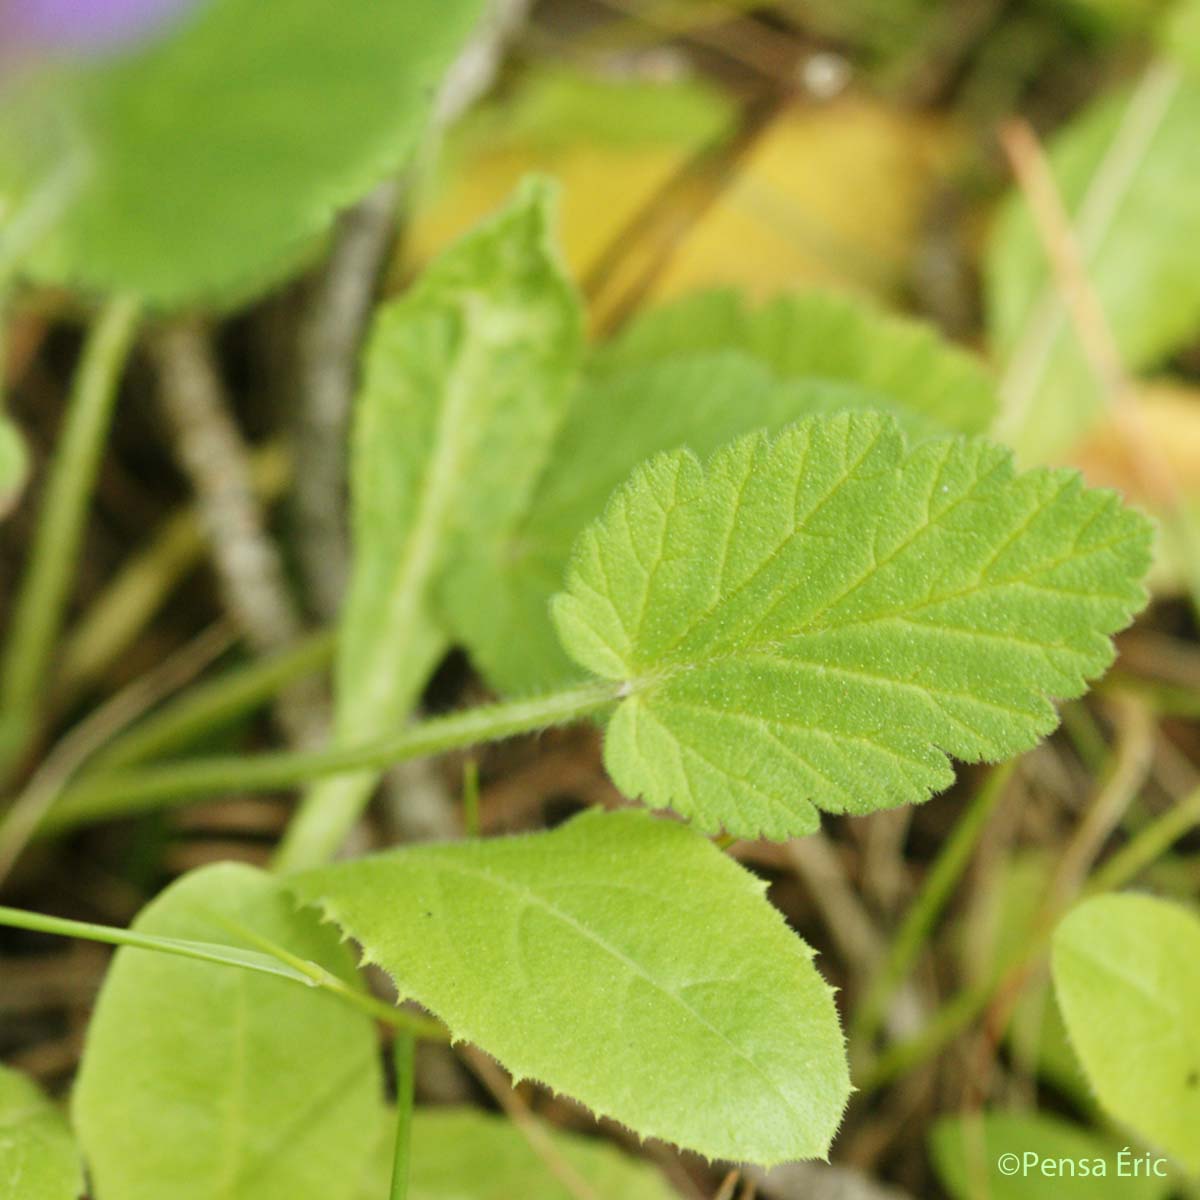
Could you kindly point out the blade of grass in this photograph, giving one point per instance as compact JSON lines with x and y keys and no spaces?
{"x":42,"y":597}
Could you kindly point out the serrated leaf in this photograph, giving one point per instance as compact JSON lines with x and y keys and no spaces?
{"x":14,"y":464}
{"x":822,"y":619}
{"x":202,"y":1082}
{"x":217,"y":153}
{"x":822,"y":335}
{"x":38,"y":1158}
{"x":1127,"y":975}
{"x":1139,"y":232}
{"x":465,"y":1154}
{"x":466,"y":382}
{"x":974,"y":1158}
{"x":614,"y":422}
{"x":574,"y":957}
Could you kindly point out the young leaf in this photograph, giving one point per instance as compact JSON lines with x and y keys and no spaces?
{"x":466,"y":381}
{"x":38,"y":1158}
{"x":1139,"y":231}
{"x":822,"y":335}
{"x":687,"y":1013}
{"x":819,"y":621}
{"x":989,"y":1157}
{"x":201,"y":1082}
{"x":614,"y":422}
{"x":216,"y":153}
{"x":1127,"y":975}
{"x":462,"y":1152}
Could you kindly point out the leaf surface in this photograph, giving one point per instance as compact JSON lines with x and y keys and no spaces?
{"x":822,"y":335}
{"x":465,"y":1154}
{"x":614,"y":423}
{"x":38,"y":1158}
{"x":1126,"y":171}
{"x":820,"y":620}
{"x":466,"y":382}
{"x":968,"y":1154}
{"x":202,"y":1082}
{"x":1127,"y":975}
{"x":215,"y":154}
{"x":575,"y":957}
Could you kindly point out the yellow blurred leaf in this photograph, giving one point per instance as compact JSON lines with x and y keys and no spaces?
{"x":827,"y":194}
{"x":611,"y":143}
{"x":830,"y":194}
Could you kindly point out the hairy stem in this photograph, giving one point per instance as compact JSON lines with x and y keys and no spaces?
{"x":123,"y":793}
{"x":42,"y":597}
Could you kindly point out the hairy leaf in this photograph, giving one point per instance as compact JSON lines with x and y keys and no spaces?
{"x":1127,"y":975}
{"x":613,"y":424}
{"x":1126,"y":169}
{"x":466,"y":383}
{"x":202,"y":1082}
{"x":974,"y":1158}
{"x":465,"y":1154}
{"x":214,"y":155}
{"x":822,"y":335}
{"x":575,"y":957}
{"x":820,"y":620}
{"x":38,"y":1158}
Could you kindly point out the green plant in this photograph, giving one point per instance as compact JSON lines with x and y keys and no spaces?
{"x":768,"y":550}
{"x":808,"y":619}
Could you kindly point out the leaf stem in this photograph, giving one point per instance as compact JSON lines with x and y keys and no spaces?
{"x":41,"y":600}
{"x":111,"y":935}
{"x":123,"y":793}
{"x":274,"y":961}
{"x":403,"y":1051}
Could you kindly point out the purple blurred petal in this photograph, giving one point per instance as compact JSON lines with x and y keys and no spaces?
{"x":82,"y":25}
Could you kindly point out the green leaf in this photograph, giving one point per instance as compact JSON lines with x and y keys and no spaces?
{"x":14,"y":464}
{"x":38,"y":1158}
{"x":614,"y":423}
{"x":973,"y":1158}
{"x":1127,"y":975}
{"x":819,"y":620}
{"x":216,"y":154}
{"x":467,"y":376}
{"x":202,"y":1082}
{"x":823,"y":335}
{"x":465,"y":1154}
{"x":1126,"y":168}
{"x":575,"y":957}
